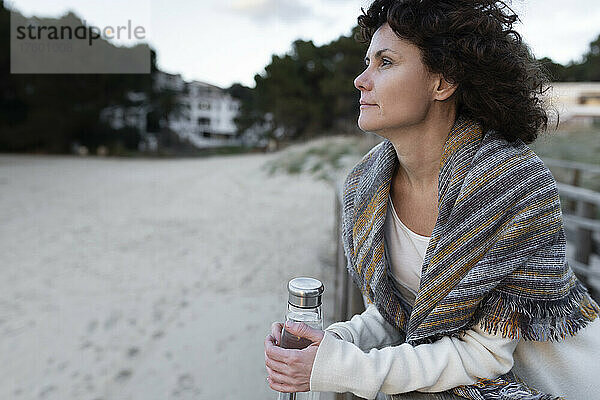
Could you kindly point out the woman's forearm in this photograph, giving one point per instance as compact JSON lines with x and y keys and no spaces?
{"x":341,"y":366}
{"x":367,"y":330}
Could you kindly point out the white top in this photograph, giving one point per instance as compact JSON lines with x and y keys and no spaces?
{"x":372,"y":358}
{"x":406,"y":247}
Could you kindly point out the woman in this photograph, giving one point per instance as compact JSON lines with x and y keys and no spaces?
{"x":451,"y":226}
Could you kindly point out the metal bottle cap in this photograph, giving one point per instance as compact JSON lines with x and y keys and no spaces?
{"x":305,"y":292}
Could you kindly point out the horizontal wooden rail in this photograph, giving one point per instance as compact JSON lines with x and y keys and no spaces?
{"x":578,"y":193}
{"x":583,"y":167}
{"x":583,"y":269}
{"x":582,"y":222}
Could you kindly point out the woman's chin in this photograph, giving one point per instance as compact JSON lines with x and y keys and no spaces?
{"x":366,"y":126}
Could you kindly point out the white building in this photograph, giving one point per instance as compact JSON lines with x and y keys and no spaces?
{"x":205,"y":113}
{"x":578,"y":103}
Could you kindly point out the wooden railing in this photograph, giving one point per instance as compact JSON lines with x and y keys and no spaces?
{"x":581,"y":221}
{"x":580,"y":217}
{"x":348,"y":299}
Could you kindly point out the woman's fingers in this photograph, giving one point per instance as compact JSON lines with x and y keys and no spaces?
{"x":303,"y":330}
{"x":277,"y":366}
{"x":277,"y":377}
{"x":276,"y":328}
{"x":281,"y":387}
{"x":279,"y":381}
{"x":288,"y":369}
{"x":277,"y":353}
{"x":271,"y":376}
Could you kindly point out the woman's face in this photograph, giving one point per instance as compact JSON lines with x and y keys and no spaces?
{"x":396,"y":85}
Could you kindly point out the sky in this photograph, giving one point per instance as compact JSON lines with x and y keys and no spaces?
{"x":228,"y":41}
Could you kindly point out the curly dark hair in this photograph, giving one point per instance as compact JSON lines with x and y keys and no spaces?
{"x":473,"y":44}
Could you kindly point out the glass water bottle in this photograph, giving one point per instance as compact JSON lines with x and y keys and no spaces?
{"x":304,"y":305}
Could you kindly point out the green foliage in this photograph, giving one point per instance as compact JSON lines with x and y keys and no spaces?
{"x":307,"y":91}
{"x":249,"y":114}
{"x":586,"y":70}
{"x":556,"y":72}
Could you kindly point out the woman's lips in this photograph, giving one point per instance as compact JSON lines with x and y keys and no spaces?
{"x":368,"y":105}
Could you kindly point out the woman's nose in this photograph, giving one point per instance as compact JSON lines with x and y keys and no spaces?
{"x":361,"y":82}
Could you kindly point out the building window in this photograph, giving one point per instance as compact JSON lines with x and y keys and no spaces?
{"x":204,"y":106}
{"x":203,"y":121}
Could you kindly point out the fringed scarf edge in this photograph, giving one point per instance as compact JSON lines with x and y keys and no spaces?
{"x":520,"y":318}
{"x":538,"y":320}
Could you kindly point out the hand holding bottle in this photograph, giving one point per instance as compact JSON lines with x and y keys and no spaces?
{"x":290,"y":369}
{"x":290,"y":349}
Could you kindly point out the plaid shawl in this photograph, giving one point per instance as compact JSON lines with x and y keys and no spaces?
{"x":496,"y":255}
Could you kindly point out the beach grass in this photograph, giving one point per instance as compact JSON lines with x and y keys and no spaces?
{"x":325,"y":158}
{"x":328,"y":158}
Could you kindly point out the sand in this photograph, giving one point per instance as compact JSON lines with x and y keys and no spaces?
{"x":151,"y":279}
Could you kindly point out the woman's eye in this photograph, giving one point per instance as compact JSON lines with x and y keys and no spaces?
{"x":384,"y":61}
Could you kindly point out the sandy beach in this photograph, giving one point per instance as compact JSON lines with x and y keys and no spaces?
{"x":151,"y":279}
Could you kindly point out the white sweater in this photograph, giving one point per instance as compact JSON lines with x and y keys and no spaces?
{"x":370,"y":358}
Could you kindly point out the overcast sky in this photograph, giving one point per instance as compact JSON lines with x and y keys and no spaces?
{"x":227,"y":41}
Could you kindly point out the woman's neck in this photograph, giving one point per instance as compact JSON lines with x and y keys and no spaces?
{"x":419,"y":151}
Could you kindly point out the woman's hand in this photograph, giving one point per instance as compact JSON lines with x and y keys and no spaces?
{"x":289,"y":370}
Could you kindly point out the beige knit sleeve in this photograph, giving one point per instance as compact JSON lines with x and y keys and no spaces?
{"x":341,"y":366}
{"x":367,"y":330}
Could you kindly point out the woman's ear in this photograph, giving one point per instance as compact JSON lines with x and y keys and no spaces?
{"x":444,"y":89}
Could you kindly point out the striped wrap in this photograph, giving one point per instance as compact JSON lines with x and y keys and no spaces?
{"x":496,"y":255}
